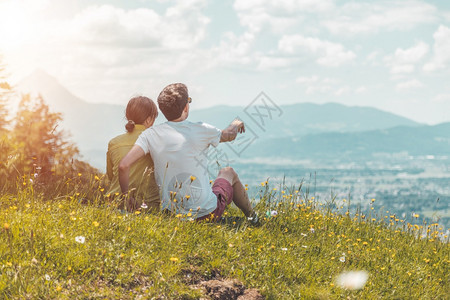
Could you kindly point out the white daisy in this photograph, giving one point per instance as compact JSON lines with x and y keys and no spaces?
{"x":80,"y":239}
{"x":352,"y":280}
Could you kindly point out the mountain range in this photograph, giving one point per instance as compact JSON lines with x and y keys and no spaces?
{"x":298,"y":130}
{"x":414,"y":141}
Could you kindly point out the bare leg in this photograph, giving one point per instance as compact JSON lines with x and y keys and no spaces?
{"x":240,"y":197}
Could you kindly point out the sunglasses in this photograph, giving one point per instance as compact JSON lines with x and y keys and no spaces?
{"x":189,"y":99}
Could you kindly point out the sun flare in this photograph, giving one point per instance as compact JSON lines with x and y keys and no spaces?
{"x":15,"y":25}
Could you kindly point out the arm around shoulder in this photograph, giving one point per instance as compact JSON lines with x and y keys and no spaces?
{"x":124,"y":166}
{"x":109,"y":166}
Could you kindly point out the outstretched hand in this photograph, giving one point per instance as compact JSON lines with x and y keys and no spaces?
{"x":230,"y":133}
{"x":240,"y":126}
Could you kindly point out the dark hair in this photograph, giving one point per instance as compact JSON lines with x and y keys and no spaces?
{"x":172,"y":100}
{"x":138,"y":110}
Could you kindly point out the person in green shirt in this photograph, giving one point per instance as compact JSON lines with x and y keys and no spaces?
{"x":141,"y":113}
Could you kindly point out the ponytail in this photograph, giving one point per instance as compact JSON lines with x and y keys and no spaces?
{"x":130,"y":126}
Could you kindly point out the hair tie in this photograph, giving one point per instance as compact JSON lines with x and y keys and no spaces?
{"x":130,"y":125}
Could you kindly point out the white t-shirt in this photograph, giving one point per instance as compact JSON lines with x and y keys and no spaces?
{"x":179,"y":151}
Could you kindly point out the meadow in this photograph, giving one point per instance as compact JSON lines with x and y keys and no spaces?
{"x":65,"y":247}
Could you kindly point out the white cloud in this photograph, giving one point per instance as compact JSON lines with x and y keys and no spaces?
{"x":268,"y":62}
{"x":330,"y":81}
{"x":446,"y":15}
{"x":342,"y":19}
{"x":327,"y":53}
{"x":111,"y":26}
{"x":123,"y":51}
{"x":441,"y":50}
{"x":361,"y":90}
{"x":372,"y":57}
{"x":277,"y":16}
{"x":18,"y":23}
{"x":411,"y":84}
{"x":411,"y":55}
{"x":441,"y":98}
{"x":307,"y":80}
{"x":284,"y":6}
{"x":315,"y":84}
{"x":342,"y":91}
{"x":397,"y":69}
{"x":180,"y":27}
{"x":361,"y":18}
{"x":235,"y":50}
{"x":404,"y":60}
{"x":256,"y":20}
{"x":109,"y":52}
{"x":318,"y":89}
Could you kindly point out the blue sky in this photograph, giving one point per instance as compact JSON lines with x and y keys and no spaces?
{"x":393,"y":55}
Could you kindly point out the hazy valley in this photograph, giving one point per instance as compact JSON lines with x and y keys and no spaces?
{"x":351,"y":153}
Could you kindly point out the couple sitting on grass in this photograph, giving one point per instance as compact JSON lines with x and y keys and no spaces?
{"x":178,"y":149}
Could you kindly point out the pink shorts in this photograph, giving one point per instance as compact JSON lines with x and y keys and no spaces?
{"x":224,"y":191}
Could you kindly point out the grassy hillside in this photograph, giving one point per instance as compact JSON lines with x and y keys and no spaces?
{"x":61,"y":249}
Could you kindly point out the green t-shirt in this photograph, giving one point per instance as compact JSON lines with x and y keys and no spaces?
{"x":142,"y":177}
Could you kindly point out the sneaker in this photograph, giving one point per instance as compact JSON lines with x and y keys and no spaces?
{"x":254,"y":219}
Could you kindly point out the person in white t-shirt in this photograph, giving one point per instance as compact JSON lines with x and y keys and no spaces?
{"x":178,"y":149}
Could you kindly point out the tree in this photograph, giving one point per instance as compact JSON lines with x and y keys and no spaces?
{"x":34,"y":145}
{"x":5,"y":93}
{"x":42,"y":145}
{"x":6,"y":146}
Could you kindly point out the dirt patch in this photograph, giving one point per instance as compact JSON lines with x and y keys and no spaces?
{"x":227,"y":289}
{"x":193,"y":275}
{"x":251,"y":294}
{"x":222,"y":289}
{"x":214,"y":286}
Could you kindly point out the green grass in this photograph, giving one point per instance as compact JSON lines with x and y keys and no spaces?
{"x":296,"y":254}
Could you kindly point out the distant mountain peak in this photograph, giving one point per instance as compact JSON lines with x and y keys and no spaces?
{"x":41,"y":82}
{"x":41,"y":73}
{"x":40,"y":76}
